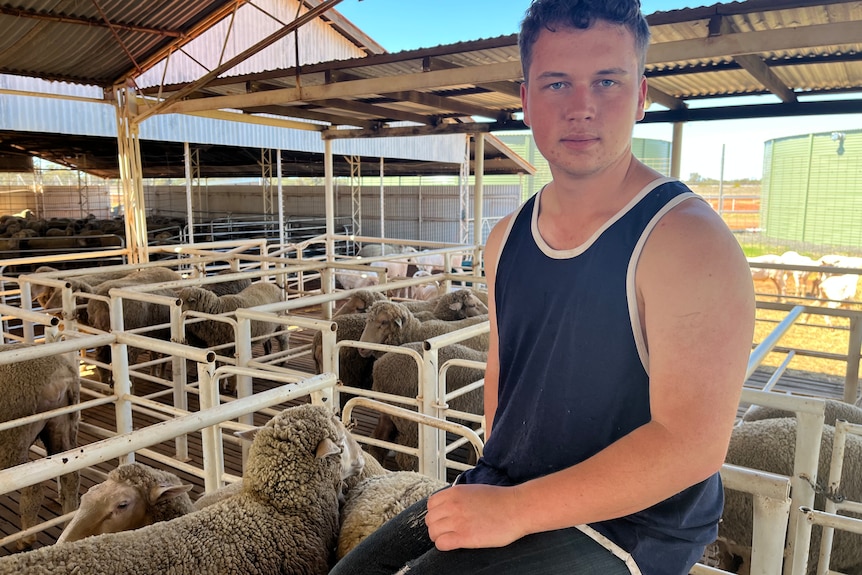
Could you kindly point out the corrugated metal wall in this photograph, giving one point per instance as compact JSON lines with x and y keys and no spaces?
{"x":811,"y":188}
{"x":428,"y":212}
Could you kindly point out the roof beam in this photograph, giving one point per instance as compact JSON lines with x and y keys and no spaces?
{"x":504,"y":87}
{"x":90,"y":22}
{"x":754,"y":65}
{"x":740,"y":43}
{"x":374,"y":110}
{"x":239,"y":58}
{"x":355,"y":88}
{"x":309,"y":114}
{"x":334,"y":134}
{"x":664,"y":98}
{"x":441,"y":102}
{"x":755,"y":111}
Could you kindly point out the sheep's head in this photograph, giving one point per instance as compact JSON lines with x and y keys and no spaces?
{"x":301,"y":447}
{"x":465,"y":304}
{"x":385,"y":323}
{"x":132,"y":496}
{"x":360,"y":301}
{"x":195,"y":298}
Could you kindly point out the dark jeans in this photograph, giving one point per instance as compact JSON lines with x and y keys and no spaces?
{"x":402,"y":546}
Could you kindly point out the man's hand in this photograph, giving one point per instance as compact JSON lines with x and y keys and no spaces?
{"x":473,"y":516}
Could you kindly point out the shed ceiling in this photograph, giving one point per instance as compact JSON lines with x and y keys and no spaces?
{"x":793,"y":50}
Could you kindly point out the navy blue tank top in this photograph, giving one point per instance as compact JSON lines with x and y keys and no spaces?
{"x":574,"y":372}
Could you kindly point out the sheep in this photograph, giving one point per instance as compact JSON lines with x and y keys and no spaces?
{"x":351,"y":279}
{"x":285,"y":520}
{"x":800,"y":277}
{"x":426,"y":292}
{"x":836,"y":290}
{"x":136,"y":313}
{"x":393,"y":324}
{"x":397,"y":374}
{"x":133,"y":495}
{"x":50,"y":298}
{"x":359,"y":302}
{"x":436,"y":262}
{"x":353,"y":369}
{"x":215,"y":333}
{"x":28,"y":387}
{"x":769,"y":445}
{"x":776,"y":276}
{"x":377,"y":499}
{"x":834,"y":410}
{"x":229,"y":286}
{"x":451,"y":306}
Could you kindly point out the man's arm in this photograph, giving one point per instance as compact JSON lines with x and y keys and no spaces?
{"x":697,"y":305}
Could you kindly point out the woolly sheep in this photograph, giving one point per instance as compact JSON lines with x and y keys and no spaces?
{"x":33,"y":386}
{"x":393,"y":324}
{"x":834,"y":410}
{"x":428,"y":291}
{"x":216,"y":333}
{"x":133,"y":495}
{"x":359,"y":302}
{"x":52,"y":298}
{"x":353,"y":369}
{"x":377,"y":499}
{"x":228,"y":286}
{"x":776,"y":276}
{"x":769,"y":445}
{"x":451,"y":306}
{"x":285,"y":520}
{"x":397,"y":374}
{"x":136,"y":313}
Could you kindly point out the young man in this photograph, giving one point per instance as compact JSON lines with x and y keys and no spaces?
{"x":622,"y":315}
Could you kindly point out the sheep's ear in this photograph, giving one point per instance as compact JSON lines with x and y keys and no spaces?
{"x":168,"y":491}
{"x":455,"y":306}
{"x":248,"y":434}
{"x":326,"y":447}
{"x":399,"y":321}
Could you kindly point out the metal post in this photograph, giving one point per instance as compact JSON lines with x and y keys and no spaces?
{"x":676,"y":150}
{"x":189,"y":211}
{"x":854,"y":349}
{"x":478,"y":190}
{"x":131,"y":175}
{"x":280,"y":187}
{"x":382,"y":208}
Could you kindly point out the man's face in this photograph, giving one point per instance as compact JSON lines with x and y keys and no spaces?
{"x":582,"y":97}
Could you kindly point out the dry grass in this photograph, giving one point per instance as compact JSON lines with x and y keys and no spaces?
{"x":807,"y":334}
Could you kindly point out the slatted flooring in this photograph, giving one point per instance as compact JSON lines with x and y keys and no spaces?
{"x":795,"y":382}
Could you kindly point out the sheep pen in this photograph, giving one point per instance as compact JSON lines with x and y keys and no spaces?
{"x":285,"y":520}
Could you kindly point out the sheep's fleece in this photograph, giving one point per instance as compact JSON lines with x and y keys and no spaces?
{"x":285,"y":520}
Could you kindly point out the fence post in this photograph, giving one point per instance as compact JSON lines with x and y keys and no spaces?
{"x":854,"y":349}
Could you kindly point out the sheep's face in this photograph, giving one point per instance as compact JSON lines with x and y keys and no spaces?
{"x":192,"y":298}
{"x":469,"y":306}
{"x":384,"y":324}
{"x":299,"y":446}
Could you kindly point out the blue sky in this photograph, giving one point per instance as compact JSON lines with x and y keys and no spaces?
{"x":409,"y":24}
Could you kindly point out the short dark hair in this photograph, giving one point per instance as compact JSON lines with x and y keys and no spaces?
{"x":581,"y":14}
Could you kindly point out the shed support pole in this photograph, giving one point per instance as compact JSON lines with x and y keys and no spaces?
{"x":382,"y":207}
{"x":676,"y":150}
{"x":131,"y":175}
{"x":280,"y":188}
{"x":190,"y":215}
{"x":478,"y":190}
{"x":327,"y":280}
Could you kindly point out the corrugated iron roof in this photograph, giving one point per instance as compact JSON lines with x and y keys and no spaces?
{"x":104,"y":42}
{"x":788,"y":48}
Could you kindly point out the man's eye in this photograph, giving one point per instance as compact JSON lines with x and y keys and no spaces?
{"x":556,"y":85}
{"x":607,"y":83}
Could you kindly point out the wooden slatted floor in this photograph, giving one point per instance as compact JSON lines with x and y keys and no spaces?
{"x":795,"y":382}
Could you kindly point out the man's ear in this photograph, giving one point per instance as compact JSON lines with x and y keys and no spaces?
{"x":524,"y":103}
{"x":642,"y":98}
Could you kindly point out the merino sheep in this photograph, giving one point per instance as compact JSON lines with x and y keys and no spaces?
{"x":28,"y":387}
{"x":136,"y":313}
{"x":284,"y":521}
{"x":397,"y":374}
{"x":228,"y":286}
{"x":426,"y":292}
{"x":359,"y":302}
{"x":353,"y":369}
{"x":834,"y":410}
{"x":215,"y":333}
{"x":836,"y":290}
{"x":52,"y":298}
{"x":377,"y":499}
{"x":459,"y":304}
{"x":133,"y":495}
{"x":769,"y":445}
{"x":393,"y":324}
